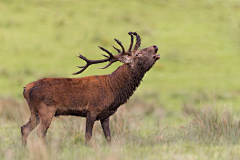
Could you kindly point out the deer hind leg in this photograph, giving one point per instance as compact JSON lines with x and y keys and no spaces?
{"x":28,"y":127}
{"x":46,"y":114}
{"x":106,"y":129}
{"x":90,"y":119}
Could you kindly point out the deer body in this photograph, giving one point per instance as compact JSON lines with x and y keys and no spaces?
{"x":93,"y":97}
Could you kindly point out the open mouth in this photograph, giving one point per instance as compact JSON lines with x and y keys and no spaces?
{"x":155,"y":55}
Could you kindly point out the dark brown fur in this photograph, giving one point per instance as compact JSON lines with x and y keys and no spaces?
{"x":93,"y":97}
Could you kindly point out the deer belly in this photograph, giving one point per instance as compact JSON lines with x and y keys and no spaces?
{"x":105,"y":114}
{"x":71,"y":112}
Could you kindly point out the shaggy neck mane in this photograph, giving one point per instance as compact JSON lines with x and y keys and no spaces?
{"x":124,"y":82}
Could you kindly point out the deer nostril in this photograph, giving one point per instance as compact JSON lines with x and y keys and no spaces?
{"x":156,"y":48}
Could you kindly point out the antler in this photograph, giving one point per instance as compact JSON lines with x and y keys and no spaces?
{"x":111,"y":58}
{"x":138,"y":41}
{"x":130,"y":47}
{"x":89,"y":62}
{"x":137,"y":45}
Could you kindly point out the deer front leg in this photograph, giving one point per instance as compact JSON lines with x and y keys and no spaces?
{"x":106,"y":129}
{"x":90,"y":119}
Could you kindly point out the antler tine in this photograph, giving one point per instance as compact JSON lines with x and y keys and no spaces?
{"x":118,"y":50}
{"x":109,"y":53}
{"x":105,"y":55}
{"x":131,"y":44}
{"x":111,"y":58}
{"x":83,"y":67}
{"x":120,"y":44}
{"x":109,"y":64}
{"x":138,"y":41}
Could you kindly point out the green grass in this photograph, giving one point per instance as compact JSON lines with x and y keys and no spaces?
{"x":199,"y":68}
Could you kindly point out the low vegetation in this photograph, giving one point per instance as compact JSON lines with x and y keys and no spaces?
{"x":208,"y":131}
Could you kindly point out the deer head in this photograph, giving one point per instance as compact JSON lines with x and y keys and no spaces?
{"x":144,"y":58}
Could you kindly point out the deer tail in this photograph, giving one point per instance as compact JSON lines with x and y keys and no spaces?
{"x":26,"y":90}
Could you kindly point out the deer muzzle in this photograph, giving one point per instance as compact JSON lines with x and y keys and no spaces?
{"x":155,"y":55}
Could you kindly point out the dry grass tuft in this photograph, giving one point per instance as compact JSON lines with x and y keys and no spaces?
{"x":210,"y":125}
{"x":14,"y":110}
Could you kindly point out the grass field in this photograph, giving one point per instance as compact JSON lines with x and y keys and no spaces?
{"x":187,"y":106}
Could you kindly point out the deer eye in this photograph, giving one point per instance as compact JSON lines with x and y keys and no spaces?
{"x":138,"y":54}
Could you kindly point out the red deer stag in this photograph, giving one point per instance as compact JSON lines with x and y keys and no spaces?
{"x":93,"y":97}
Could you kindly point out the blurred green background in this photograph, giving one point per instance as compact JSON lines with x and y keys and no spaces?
{"x":199,"y":43}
